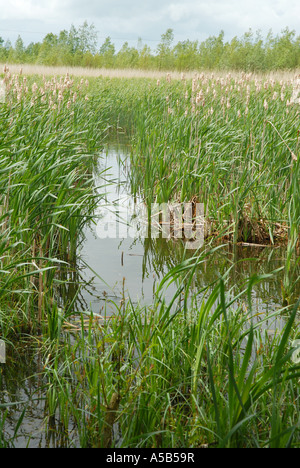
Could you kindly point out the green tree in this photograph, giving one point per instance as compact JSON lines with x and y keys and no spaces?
{"x":63,"y":39}
{"x":164,"y":51}
{"x":211,"y":52}
{"x":64,"y":49}
{"x":87,"y":38}
{"x":186,"y":55}
{"x":232,"y":57}
{"x":32,"y":52}
{"x":73,"y":40}
{"x":8,"y":47}
{"x":19,"y":52}
{"x":3,"y":54}
{"x":256,"y":60}
{"x":127,"y":57}
{"x":285,"y":50}
{"x":107,"y":51}
{"x":145,"y":58}
{"x":48,"y":50}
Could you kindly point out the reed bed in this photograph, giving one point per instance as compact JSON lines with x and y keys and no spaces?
{"x":85,"y":72}
{"x":203,"y":370}
{"x":46,"y":192}
{"x":230,"y":142}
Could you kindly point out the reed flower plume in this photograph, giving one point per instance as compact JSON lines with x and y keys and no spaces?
{"x":295,"y":99}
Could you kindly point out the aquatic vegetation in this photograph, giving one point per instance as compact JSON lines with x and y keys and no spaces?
{"x":203,"y":369}
{"x":230,"y":142}
{"x":205,"y":375}
{"x":46,"y":192}
{"x":204,"y":137}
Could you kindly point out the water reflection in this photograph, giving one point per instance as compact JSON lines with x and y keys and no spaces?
{"x":23,"y":391}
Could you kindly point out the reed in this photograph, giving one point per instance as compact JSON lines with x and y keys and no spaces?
{"x":229,"y":141}
{"x":211,"y":138}
{"x":201,"y":376}
{"x":201,"y":370}
{"x":47,"y":194}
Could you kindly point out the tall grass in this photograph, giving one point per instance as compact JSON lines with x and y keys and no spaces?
{"x":202,"y":370}
{"x":205,"y":375}
{"x":210,"y":138}
{"x":48,"y":146}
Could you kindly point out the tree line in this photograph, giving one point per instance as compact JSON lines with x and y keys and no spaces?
{"x":79,"y":47}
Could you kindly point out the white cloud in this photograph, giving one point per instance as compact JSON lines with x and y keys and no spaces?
{"x":30,"y":9}
{"x":196,"y":18}
{"x":129,"y":19}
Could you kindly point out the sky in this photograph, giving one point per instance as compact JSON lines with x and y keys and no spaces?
{"x":128,"y":20}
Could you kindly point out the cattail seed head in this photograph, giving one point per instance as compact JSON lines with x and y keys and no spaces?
{"x":194,"y":85}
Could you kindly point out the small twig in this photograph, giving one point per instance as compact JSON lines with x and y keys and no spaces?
{"x":249,"y":244}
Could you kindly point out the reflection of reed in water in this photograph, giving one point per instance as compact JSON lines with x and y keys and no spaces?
{"x":161,"y":255}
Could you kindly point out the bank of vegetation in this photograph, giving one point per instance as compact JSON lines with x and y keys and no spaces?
{"x":80,"y":47}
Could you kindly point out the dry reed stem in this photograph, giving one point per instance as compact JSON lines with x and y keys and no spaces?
{"x":294,"y":157}
{"x":28,"y":69}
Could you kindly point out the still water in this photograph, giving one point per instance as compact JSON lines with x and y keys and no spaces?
{"x":116,"y":265}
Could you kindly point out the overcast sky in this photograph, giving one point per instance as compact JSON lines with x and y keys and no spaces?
{"x":127,"y":20}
